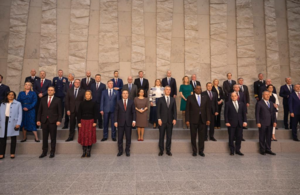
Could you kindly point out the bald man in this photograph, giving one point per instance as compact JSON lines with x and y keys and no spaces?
{"x":87,"y":81}
{"x":264,"y":88}
{"x":131,"y":88}
{"x":32,"y":78}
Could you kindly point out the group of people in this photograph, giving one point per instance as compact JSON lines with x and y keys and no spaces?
{"x":88,"y":102}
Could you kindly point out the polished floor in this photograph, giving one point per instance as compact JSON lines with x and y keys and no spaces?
{"x":150,"y":174}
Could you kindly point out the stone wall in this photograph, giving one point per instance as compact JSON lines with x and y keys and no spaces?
{"x":205,"y":37}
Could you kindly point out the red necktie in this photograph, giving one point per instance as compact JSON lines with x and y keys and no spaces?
{"x":116,"y":81}
{"x":238,"y":97}
{"x":125,"y":105}
{"x":88,"y":81}
{"x":49,"y":102}
{"x":42,"y":83}
{"x":97,"y":86}
{"x":70,"y":85}
{"x":299,"y":95}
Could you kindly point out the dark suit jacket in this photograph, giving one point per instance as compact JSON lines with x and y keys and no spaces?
{"x":246,"y":93}
{"x":134,"y":91}
{"x":107,"y":103}
{"x":213,"y":102}
{"x":72,"y":104}
{"x":198,"y":83}
{"x":67,"y":87}
{"x":54,"y":112}
{"x":264,"y":115}
{"x":285,"y":93}
{"x":145,"y":85}
{"x":3,"y":90}
{"x":97,"y":93}
{"x":264,"y":88}
{"x":193,"y":109}
{"x":83,"y":84}
{"x":227,"y":88}
{"x":236,"y":119}
{"x":60,"y":86}
{"x":257,"y":84}
{"x":119,"y":85}
{"x":32,"y":81}
{"x":220,"y":91}
{"x":242,"y":98}
{"x":294,"y":103}
{"x":167,"y":115}
{"x":123,"y":117}
{"x":38,"y":89}
{"x":173,"y":85}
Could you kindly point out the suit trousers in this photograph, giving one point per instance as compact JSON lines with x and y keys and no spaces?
{"x":67,"y":119}
{"x":127,"y":130}
{"x":49,"y":128}
{"x":218,"y":118}
{"x":199,"y":128}
{"x":37,"y":108}
{"x":99,"y":115}
{"x":73,"y":124}
{"x":265,"y":135}
{"x":211,"y":127}
{"x":107,"y":116}
{"x":165,"y":128}
{"x":3,"y":141}
{"x":286,"y":112}
{"x":237,"y":134}
{"x":296,"y":120}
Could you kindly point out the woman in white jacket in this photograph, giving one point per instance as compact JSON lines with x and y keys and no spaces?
{"x":274,"y":99}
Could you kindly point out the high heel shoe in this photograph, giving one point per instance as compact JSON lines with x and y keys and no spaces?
{"x":142,"y":139}
{"x":12,"y":157}
{"x":24,"y":140}
{"x":2,"y":157}
{"x":37,"y":140}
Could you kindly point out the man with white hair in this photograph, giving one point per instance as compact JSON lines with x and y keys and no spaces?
{"x":285,"y":92}
{"x":131,"y":88}
{"x":32,"y":78}
{"x":264,"y":88}
{"x":86,"y":82}
{"x":194,"y":82}
{"x":170,"y":82}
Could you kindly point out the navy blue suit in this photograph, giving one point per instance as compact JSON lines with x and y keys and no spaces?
{"x":96,"y":93}
{"x":107,"y":105}
{"x":285,"y":93}
{"x":3,"y":90}
{"x":84,"y":86}
{"x":294,"y":106}
{"x":60,"y":85}
{"x":118,"y":84}
{"x":32,"y":81}
{"x":172,"y":84}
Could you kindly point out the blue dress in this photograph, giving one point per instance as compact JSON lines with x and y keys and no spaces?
{"x":28,"y":101}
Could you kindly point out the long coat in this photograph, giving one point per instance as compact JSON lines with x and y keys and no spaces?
{"x":15,"y":118}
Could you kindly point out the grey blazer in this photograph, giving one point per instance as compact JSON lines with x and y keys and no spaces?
{"x":133,"y":93}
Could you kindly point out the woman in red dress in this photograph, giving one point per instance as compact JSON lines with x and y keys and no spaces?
{"x":87,"y":119}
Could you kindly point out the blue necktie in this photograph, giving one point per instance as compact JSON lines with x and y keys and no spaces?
{"x":141,"y":81}
{"x":130,"y":87}
{"x":199,"y":103}
{"x":268,"y":104}
{"x":169,"y":82}
{"x":75,"y":93}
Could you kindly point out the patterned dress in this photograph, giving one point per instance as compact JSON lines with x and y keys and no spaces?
{"x":28,"y":101}
{"x":155,"y":94}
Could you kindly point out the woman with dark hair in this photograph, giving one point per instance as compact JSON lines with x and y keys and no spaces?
{"x":10,"y":121}
{"x":216,"y":88}
{"x":87,"y":121}
{"x":28,"y":99}
{"x":156,"y":92}
{"x":141,"y":106}
{"x":274,"y":99}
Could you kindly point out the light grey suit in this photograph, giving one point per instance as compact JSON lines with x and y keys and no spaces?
{"x":133,"y":93}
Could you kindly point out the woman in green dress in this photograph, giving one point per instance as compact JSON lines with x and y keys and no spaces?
{"x":185,"y":90}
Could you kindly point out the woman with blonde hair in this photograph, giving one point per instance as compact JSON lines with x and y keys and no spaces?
{"x":274,"y":99}
{"x":216,"y":88}
{"x":185,"y":90}
{"x":28,"y":99}
{"x":156,"y":92}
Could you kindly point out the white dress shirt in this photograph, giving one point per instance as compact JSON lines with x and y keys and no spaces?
{"x":7,"y":109}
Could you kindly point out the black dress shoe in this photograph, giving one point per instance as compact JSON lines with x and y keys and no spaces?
{"x":65,"y":127}
{"x":100,"y":127}
{"x":286,"y":128}
{"x":127,"y":153}
{"x":24,"y":140}
{"x":37,"y":140}
{"x":296,"y":139}
{"x":52,"y":155}
{"x":262,"y":153}
{"x":194,"y":153}
{"x":201,"y":154}
{"x":270,"y":152}
{"x":104,"y":139}
{"x":169,"y":153}
{"x":243,"y":139}
{"x":69,"y":139}
{"x":160,"y":153}
{"x":42,"y":155}
{"x":212,"y":139}
{"x":114,"y":139}
{"x":206,"y":139}
{"x":231,"y":153}
{"x":120,"y":154}
{"x":239,"y":153}
{"x":245,"y":128}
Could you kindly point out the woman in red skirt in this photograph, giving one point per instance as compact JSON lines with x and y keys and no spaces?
{"x":87,"y":118}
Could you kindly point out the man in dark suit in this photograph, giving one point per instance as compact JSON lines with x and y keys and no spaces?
{"x":3,"y":89}
{"x":131,"y":88}
{"x":124,"y":120}
{"x":142,"y":83}
{"x":264,"y":88}
{"x":285,"y":92}
{"x":40,"y":87}
{"x":265,"y":120}
{"x":97,"y":89}
{"x":213,"y":101}
{"x":194,"y":82}
{"x":197,"y":116}
{"x":73,"y":99}
{"x":49,"y":116}
{"x":170,"y":82}
{"x":167,"y":116}
{"x":32,"y":78}
{"x":294,"y":105}
{"x":108,"y":103}
{"x":69,"y":85}
{"x":118,"y":83}
{"x":86,"y":82}
{"x":228,"y":86}
{"x":235,"y":120}
{"x":257,"y":84}
{"x":245,"y":90}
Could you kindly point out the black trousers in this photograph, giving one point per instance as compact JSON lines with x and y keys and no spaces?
{"x":66,"y":124}
{"x":237,"y":134}
{"x":296,"y":120}
{"x":199,"y":128}
{"x":211,"y":127}
{"x":165,"y":128}
{"x":73,"y":124}
{"x":49,"y":128}
{"x":99,"y":116}
{"x":265,"y":135}
{"x":37,"y":108}
{"x":218,"y":118}
{"x":286,"y":112}
{"x":3,"y":141}
{"x":127,"y":130}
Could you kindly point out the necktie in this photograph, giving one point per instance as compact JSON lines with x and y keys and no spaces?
{"x":210,"y":95}
{"x":87,"y":81}
{"x":70,"y":85}
{"x":42,"y":82}
{"x":290,"y":88}
{"x":97,"y":86}
{"x":125,"y":105}
{"x":299,"y":95}
{"x":110,"y":93}
{"x":116,"y":81}
{"x":32,"y":78}
{"x":268,"y":104}
{"x":199,"y":103}
{"x":242,"y":88}
{"x":76,"y":93}
{"x":60,"y":78}
{"x":168,"y":101}
{"x":194,"y":84}
{"x":238,"y":96}
{"x":229,"y":82}
{"x":129,"y":87}
{"x":169,"y":81}
{"x":236,"y":106}
{"x":49,"y":102}
{"x":141,"y":82}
